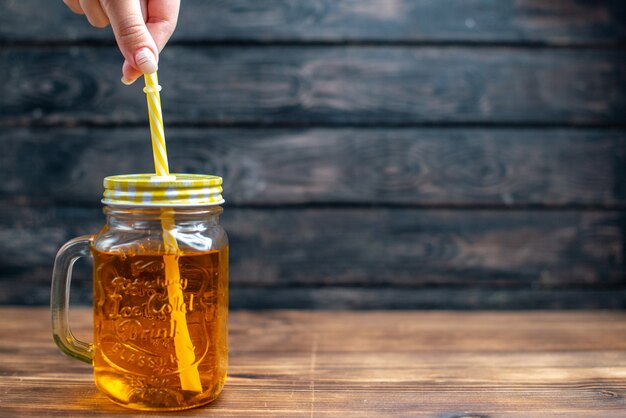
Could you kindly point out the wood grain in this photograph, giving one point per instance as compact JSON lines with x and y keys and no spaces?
{"x":425,"y":167}
{"x":321,"y":86}
{"x":516,"y":251}
{"x":329,"y":364}
{"x":557,"y":21}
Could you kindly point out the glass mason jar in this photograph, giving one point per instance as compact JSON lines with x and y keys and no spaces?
{"x":160,"y":298}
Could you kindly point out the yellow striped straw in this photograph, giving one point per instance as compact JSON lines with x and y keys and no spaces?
{"x":159,"y":151}
{"x":183,"y":346}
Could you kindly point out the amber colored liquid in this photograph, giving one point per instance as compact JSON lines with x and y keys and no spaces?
{"x":135,"y":360}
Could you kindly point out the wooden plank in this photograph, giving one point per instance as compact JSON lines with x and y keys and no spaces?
{"x":445,"y":297}
{"x":291,"y":363}
{"x":332,"y":297}
{"x":556,"y":21}
{"x":331,"y":86}
{"x":364,"y":248}
{"x":426,"y":166}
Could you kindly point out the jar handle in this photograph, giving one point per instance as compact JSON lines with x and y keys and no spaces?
{"x":60,"y":298}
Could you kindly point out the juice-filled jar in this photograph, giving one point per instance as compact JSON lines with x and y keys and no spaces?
{"x":160,"y":296}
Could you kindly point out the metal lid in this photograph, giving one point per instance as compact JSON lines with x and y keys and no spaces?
{"x":174,"y":190}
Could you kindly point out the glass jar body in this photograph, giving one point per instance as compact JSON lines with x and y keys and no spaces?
{"x":161,"y":307}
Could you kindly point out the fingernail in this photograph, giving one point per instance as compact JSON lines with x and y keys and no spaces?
{"x":127,"y":82}
{"x":145,"y":60}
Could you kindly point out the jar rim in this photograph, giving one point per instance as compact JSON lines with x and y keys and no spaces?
{"x":120,"y":210}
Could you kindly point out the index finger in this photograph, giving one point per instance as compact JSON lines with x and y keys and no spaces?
{"x":162,"y":16}
{"x":129,"y":28}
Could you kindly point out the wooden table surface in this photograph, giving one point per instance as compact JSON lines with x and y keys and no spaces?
{"x":360,"y":364}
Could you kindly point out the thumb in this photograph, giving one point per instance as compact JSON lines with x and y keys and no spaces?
{"x":134,"y":40}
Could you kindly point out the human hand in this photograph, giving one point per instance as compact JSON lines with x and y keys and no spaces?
{"x":141,"y":28}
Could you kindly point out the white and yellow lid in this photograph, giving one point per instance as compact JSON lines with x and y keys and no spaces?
{"x":175,"y":190}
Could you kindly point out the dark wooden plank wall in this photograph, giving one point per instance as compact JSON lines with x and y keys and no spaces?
{"x":376,"y":153}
